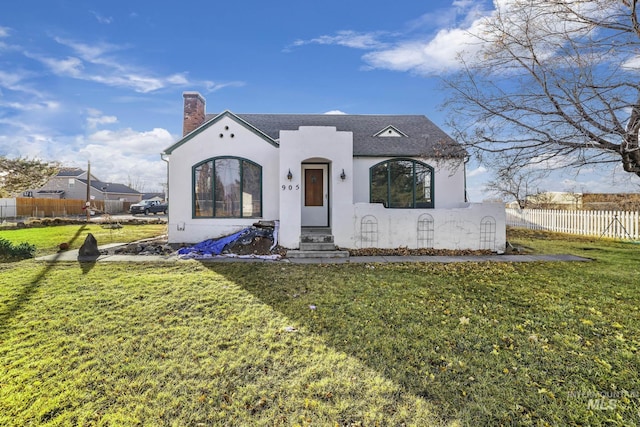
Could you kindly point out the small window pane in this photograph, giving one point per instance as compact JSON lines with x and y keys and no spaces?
{"x":227,"y":191}
{"x":203,"y":190}
{"x":251,"y":191}
{"x":379,"y":181}
{"x":401,"y":189}
{"x":423,"y":186}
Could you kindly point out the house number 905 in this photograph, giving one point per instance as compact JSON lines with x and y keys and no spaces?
{"x":290,"y":187}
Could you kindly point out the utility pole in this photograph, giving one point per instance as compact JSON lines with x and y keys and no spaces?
{"x":88,"y":203}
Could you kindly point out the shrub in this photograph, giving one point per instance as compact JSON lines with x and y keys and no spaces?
{"x":20,"y":251}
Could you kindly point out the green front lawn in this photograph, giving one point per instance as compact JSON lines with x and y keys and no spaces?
{"x":372,"y":344}
{"x":48,"y":239}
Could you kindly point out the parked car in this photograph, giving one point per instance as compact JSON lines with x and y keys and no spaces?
{"x":148,"y":206}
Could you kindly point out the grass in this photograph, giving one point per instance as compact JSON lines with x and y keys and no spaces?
{"x":372,"y":344}
{"x":48,"y":239}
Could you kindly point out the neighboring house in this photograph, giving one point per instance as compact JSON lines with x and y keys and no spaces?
{"x":611,"y":201}
{"x":71,"y":183}
{"x":550,"y":200}
{"x":555,"y":200}
{"x":158,"y":197}
{"x":367,"y":180}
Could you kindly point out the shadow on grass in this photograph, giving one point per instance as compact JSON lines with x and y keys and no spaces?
{"x":463,"y":337}
{"x":25,"y":295}
{"x":87,"y":263}
{"x":352,"y":325}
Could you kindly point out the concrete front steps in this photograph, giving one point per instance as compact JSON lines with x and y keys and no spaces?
{"x":317,"y":242}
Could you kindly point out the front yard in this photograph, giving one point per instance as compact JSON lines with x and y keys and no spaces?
{"x":372,"y":344}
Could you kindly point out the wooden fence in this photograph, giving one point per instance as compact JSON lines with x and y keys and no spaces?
{"x":21,"y":207}
{"x":613,"y":224}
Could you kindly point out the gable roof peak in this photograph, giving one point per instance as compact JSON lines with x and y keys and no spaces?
{"x":390,"y":131}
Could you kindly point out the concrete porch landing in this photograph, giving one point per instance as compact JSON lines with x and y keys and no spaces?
{"x":316,"y":242}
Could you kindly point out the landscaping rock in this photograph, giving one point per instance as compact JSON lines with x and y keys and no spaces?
{"x":157,"y":246}
{"x":90,"y":247}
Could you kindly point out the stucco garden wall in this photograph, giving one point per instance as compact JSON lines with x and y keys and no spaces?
{"x":471,"y":226}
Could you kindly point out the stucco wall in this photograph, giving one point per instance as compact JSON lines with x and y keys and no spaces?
{"x":207,"y":144}
{"x":475,"y":226}
{"x":315,"y":144}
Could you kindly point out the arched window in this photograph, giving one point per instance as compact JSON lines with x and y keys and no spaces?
{"x":401,"y":183}
{"x":227,"y":187}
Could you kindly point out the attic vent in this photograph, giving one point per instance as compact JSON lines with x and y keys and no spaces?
{"x":390,"y":131}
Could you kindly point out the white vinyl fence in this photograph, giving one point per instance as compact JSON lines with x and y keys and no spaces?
{"x":8,"y":208}
{"x":613,"y":224}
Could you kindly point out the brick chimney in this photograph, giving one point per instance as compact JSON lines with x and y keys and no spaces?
{"x":194,"y":113}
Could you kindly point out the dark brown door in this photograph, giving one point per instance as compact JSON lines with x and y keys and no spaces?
{"x":314,"y":190}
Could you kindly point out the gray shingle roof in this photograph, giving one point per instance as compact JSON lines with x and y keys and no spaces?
{"x":70,"y":172}
{"x":423,"y":138}
{"x":110,"y":187}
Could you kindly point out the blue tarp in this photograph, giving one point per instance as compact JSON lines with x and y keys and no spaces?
{"x":212,"y":246}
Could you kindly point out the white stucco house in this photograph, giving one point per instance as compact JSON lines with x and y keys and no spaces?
{"x":383,"y":181}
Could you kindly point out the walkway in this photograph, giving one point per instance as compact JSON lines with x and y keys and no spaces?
{"x":72,"y":256}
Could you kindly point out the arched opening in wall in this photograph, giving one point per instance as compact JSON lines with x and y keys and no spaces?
{"x":425,"y":231}
{"x":488,"y":233}
{"x":369,"y":232}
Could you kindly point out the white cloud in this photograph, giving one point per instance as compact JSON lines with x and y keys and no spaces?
{"x":115,"y":155}
{"x":480,"y":170}
{"x":130,"y":142}
{"x":69,"y":66}
{"x":14,"y":81}
{"x":96,"y":118}
{"x":31,"y":106}
{"x":350,"y":39}
{"x":15,"y":123}
{"x":4,"y":32}
{"x":119,"y":155}
{"x":420,"y":54}
{"x":10,"y":80}
{"x":215,"y":86}
{"x":101,"y":18}
{"x":335,"y":112}
{"x":439,"y":54}
{"x":97,"y":63}
{"x":459,"y":33}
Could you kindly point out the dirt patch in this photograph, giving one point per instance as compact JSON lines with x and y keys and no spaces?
{"x":258,"y":246}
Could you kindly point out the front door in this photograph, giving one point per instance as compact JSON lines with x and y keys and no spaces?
{"x":315,"y":195}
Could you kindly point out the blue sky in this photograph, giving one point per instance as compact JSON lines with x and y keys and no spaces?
{"x":103,"y":80}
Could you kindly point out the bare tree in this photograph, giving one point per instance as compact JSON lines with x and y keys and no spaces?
{"x":514,"y":183}
{"x":18,"y":175}
{"x":554,"y":82}
{"x":135,"y":182}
